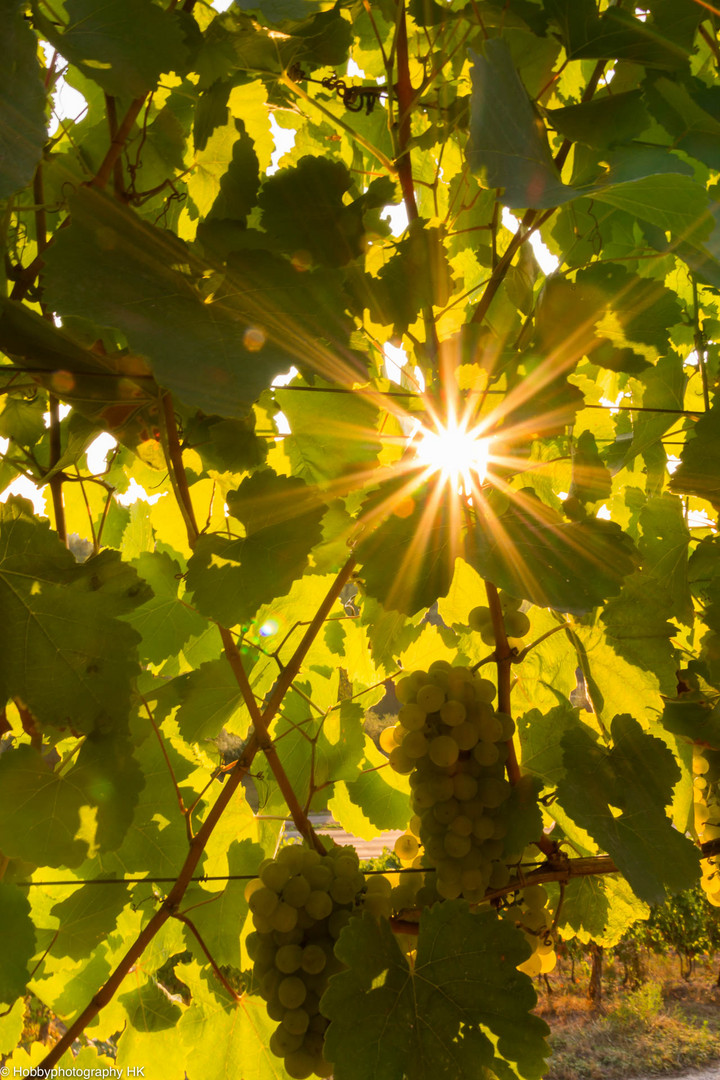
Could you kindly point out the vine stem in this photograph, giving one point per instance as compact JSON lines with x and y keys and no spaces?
{"x":406,"y":100}
{"x":260,"y":724}
{"x":56,"y":480}
{"x":532,"y":219}
{"x":117,"y":143}
{"x":181,"y":917}
{"x":503,"y":659}
{"x":167,"y":910}
{"x":261,"y":719}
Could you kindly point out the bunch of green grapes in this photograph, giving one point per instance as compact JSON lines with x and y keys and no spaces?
{"x":517,"y":624}
{"x":529,"y":912}
{"x":706,"y":769}
{"x":453,"y":745}
{"x":300,"y":902}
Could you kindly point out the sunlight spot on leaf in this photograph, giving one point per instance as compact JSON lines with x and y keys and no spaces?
{"x":380,"y":979}
{"x":63,"y":410}
{"x":395,"y":361}
{"x":282,"y":424}
{"x":97,"y":452}
{"x":604,"y":513}
{"x":672,"y":463}
{"x":25,"y":487}
{"x":284,"y":139}
{"x":136,"y":492}
{"x":285,"y":378}
{"x":397,"y":218}
{"x":547,"y":262}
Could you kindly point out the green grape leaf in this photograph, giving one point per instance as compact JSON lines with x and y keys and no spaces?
{"x":540,"y":737}
{"x":139,"y":285}
{"x":374,"y":802}
{"x":697,"y":474}
{"x":417,"y":276}
{"x":149,"y":1008}
{"x":231,"y":578}
{"x":680,"y":108}
{"x":239,"y":1032}
{"x":22,"y":100}
{"x":600,"y":909}
{"x":508,"y":145}
{"x":567,"y":566}
{"x":164,"y":622}
{"x":110,"y":778}
{"x":156,"y":842}
{"x":615,"y":34}
{"x":407,"y":559}
{"x":619,"y":796}
{"x":18,"y":942}
{"x":674,"y":203}
{"x":70,"y":662}
{"x":303,"y":209}
{"x":591,"y":480}
{"x":39,"y":811}
{"x":463,"y":1008}
{"x":86,"y":918}
{"x":524,"y":817}
{"x":694,"y":718}
{"x":603,"y":122}
{"x":101,"y":38}
{"x":332,"y":434}
{"x":219,"y":916}
{"x":210,"y":700}
{"x":637,"y":619}
{"x":240,"y":182}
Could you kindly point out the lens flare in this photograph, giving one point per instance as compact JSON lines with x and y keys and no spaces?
{"x":460,"y":454}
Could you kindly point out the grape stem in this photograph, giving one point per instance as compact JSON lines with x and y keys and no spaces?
{"x":503,"y":659}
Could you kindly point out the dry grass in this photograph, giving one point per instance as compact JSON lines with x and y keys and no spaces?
{"x":667,"y":1025}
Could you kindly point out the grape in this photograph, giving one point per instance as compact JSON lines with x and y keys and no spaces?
{"x":517,"y":624}
{"x":479,"y":618}
{"x":291,"y":992}
{"x":444,"y":812}
{"x":486,"y":753}
{"x":282,"y":1042}
{"x":320,"y":876}
{"x":387,"y":740}
{"x":263,"y":901}
{"x":296,"y":891}
{"x":284,"y":917}
{"x":314,"y":959}
{"x":299,"y":1064}
{"x":464,"y":786}
{"x":412,"y":717}
{"x":319,"y":905}
{"x":465,"y":735}
{"x":274,"y":875}
{"x":400,"y":762}
{"x":430,"y":698}
{"x":415,"y":744}
{"x":461,"y":825}
{"x":343,"y":890}
{"x":296,"y":1021}
{"x":453,"y":713}
{"x":406,"y":847}
{"x":292,"y":948}
{"x":443,"y":751}
{"x":292,"y":856}
{"x":457,"y":846}
{"x":484,"y":690}
{"x":288,"y":958}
